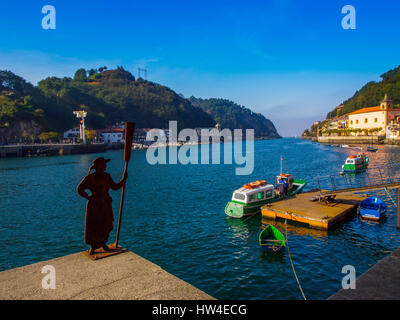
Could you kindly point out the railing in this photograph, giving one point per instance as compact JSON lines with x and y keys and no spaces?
{"x":375,"y":178}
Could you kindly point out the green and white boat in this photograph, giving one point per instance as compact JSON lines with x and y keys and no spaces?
{"x":355,"y":163}
{"x":249,"y":199}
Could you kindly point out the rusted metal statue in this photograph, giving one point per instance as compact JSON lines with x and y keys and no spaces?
{"x":99,"y":213}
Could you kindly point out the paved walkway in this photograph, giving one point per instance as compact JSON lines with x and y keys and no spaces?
{"x":123,"y":276}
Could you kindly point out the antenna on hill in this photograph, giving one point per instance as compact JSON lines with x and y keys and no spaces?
{"x":144,"y":71}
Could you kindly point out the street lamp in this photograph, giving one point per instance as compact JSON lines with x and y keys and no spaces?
{"x":81,"y":114}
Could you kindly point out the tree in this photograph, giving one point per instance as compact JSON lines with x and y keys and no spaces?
{"x":92,"y":72}
{"x":90,"y":134}
{"x":80,"y":75}
{"x":48,"y":136}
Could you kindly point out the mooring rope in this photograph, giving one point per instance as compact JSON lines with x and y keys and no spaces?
{"x":394,"y":203}
{"x":291,"y":262}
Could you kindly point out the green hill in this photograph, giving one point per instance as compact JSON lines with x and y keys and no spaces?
{"x":372,"y":93}
{"x":114,"y":95}
{"x":233,"y":116}
{"x":108,"y":97}
{"x":111,"y":96}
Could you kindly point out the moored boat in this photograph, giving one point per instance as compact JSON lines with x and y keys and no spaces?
{"x":355,"y":163}
{"x":372,"y":208}
{"x":271,"y":239}
{"x":372,"y":149}
{"x":248,"y":199}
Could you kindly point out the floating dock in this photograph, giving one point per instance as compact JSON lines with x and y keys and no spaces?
{"x":123,"y":276}
{"x":316,"y":214}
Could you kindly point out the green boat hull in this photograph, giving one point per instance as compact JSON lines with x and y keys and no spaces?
{"x":235,"y":209}
{"x":355,"y":168}
{"x":271,"y":239}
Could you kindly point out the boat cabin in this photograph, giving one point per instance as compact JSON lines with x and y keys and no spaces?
{"x":258,"y":193}
{"x":358,"y":159}
{"x":287,"y":178}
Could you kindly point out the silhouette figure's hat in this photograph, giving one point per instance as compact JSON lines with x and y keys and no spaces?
{"x":98,"y":161}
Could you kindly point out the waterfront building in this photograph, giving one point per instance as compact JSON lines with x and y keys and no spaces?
{"x":371,"y":118}
{"x":139,"y":135}
{"x":112,"y":135}
{"x":393,"y":128}
{"x":72,"y":133}
{"x":338,"y":123}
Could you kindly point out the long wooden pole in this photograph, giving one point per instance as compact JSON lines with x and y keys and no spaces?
{"x":129,"y":130}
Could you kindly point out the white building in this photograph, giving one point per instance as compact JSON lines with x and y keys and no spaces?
{"x":374,"y":118}
{"x":112,"y":136}
{"x":72,"y":133}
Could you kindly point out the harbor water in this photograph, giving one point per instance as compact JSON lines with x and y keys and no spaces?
{"x":174,"y":217}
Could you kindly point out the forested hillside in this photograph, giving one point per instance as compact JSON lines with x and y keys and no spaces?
{"x":372,"y":93}
{"x":111,"y":96}
{"x":233,"y":116}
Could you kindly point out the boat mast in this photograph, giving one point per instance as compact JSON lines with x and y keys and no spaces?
{"x":281,"y":164}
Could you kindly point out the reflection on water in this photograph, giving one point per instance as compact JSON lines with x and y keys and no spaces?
{"x":241,"y":227}
{"x":299,"y":229}
{"x":384,"y":167}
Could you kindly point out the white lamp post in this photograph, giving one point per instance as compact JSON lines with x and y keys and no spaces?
{"x":81,"y":114}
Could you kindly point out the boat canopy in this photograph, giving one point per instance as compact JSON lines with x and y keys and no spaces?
{"x":261,"y":193}
{"x":355,"y":159}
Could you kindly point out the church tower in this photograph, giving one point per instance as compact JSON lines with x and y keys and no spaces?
{"x":386,"y":104}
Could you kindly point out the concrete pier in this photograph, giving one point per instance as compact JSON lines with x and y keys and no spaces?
{"x":123,"y":276}
{"x":24,"y":150}
{"x":381,"y":282}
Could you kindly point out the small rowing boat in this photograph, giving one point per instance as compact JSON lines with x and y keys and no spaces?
{"x":271,"y":239}
{"x":372,"y":149}
{"x":372,"y":208}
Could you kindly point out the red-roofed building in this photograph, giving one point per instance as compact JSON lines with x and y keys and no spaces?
{"x":375,"y":119}
{"x":112,"y":135}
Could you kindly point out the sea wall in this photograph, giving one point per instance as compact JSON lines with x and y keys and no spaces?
{"x":12,"y":151}
{"x":393,"y":141}
{"x":352,"y":140}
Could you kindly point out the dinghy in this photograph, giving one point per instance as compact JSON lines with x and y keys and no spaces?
{"x":271,"y":239}
{"x":372,"y":208}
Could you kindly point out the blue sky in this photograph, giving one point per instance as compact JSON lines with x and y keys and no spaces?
{"x":288,"y":59}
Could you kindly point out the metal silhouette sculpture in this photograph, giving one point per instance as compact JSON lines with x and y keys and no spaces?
{"x":99,"y":214}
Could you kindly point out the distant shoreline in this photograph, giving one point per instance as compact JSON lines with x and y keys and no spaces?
{"x":59,"y":149}
{"x":361,"y":140}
